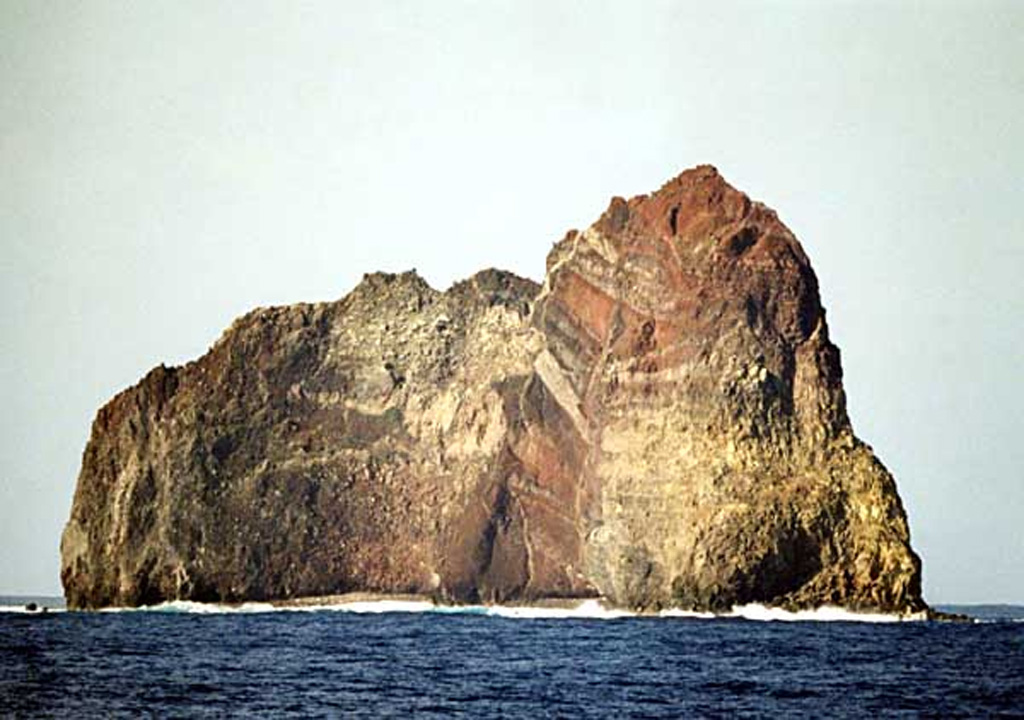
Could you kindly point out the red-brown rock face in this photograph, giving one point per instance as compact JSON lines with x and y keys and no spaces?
{"x":661,"y":424}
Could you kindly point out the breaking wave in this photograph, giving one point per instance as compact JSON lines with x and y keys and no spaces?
{"x":197,"y":608}
{"x":591,"y":609}
{"x":825,"y":613}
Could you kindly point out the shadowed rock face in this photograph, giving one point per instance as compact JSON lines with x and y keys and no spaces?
{"x":662,"y":424}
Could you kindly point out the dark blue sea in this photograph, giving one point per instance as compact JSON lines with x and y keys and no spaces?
{"x":424,"y":664}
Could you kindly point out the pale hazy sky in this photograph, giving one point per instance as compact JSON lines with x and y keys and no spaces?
{"x":166,"y":166}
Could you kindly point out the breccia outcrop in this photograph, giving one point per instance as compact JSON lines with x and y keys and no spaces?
{"x":661,"y":424}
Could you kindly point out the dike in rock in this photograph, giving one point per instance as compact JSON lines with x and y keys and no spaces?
{"x":661,"y":424}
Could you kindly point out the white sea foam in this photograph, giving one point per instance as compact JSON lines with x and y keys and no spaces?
{"x":588,"y":609}
{"x":374,"y":606}
{"x":825,"y":613}
{"x":694,"y":614}
{"x":197,"y":608}
{"x":200,"y":608}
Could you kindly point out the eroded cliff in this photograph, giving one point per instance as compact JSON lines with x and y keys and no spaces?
{"x":662,"y":424}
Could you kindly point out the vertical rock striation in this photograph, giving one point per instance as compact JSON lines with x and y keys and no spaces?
{"x":661,"y":424}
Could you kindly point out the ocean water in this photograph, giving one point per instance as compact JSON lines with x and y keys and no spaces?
{"x":411,"y":659}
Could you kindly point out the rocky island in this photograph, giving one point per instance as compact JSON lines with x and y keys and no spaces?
{"x":661,"y":424}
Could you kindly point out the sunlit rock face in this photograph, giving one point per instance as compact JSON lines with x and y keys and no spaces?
{"x":662,"y":424}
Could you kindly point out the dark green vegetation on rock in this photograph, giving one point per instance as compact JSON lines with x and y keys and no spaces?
{"x":662,"y":424}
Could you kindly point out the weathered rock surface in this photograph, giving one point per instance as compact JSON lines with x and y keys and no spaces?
{"x":662,"y":424}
